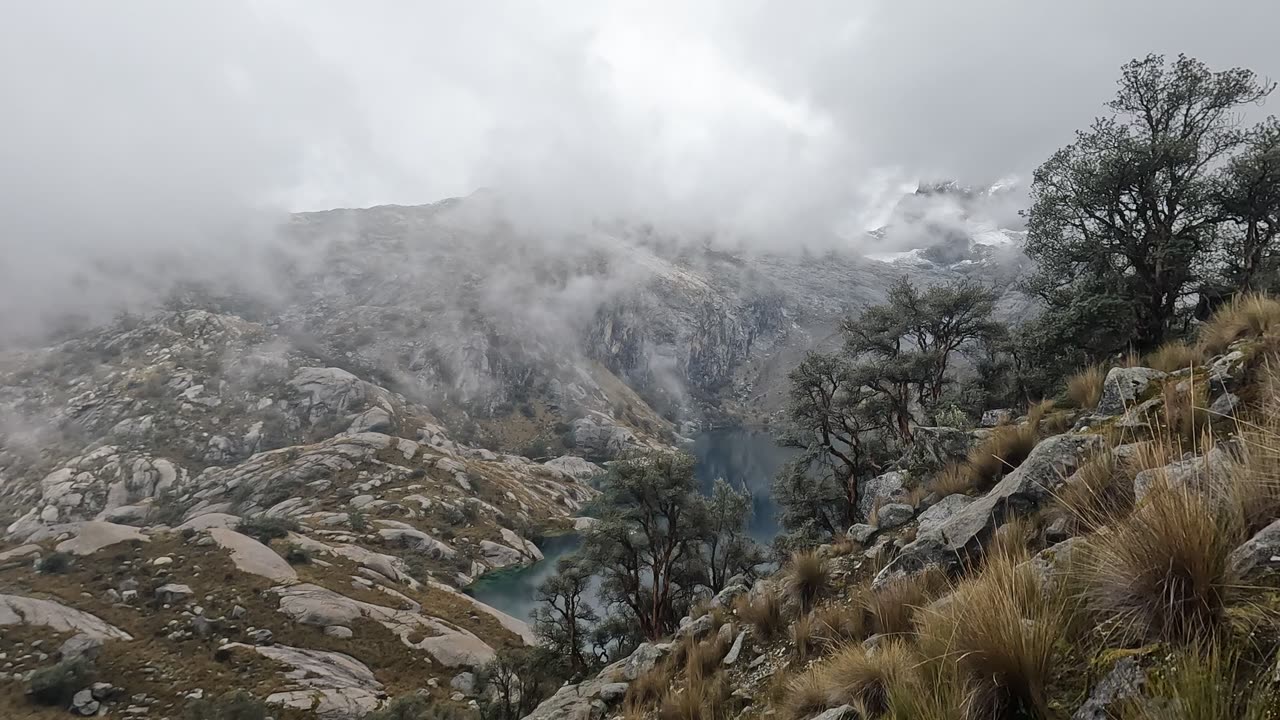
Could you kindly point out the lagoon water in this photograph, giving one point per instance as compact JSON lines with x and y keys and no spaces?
{"x":745,"y":457}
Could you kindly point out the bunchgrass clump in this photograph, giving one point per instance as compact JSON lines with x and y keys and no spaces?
{"x":1001,"y":631}
{"x":952,"y":479}
{"x":1206,"y":683}
{"x":1248,"y":315}
{"x":1163,"y":572}
{"x":1174,"y":356}
{"x":806,"y":695}
{"x":838,"y":624}
{"x":1096,"y":495}
{"x":893,"y":607}
{"x":1001,"y":451}
{"x":807,"y":579}
{"x":1084,"y":389}
{"x":862,"y":678}
{"x":764,"y":612}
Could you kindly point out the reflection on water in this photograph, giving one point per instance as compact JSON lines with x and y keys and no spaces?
{"x":512,"y":591}
{"x":742,"y":456}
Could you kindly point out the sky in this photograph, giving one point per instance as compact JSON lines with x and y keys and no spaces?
{"x":145,"y":139}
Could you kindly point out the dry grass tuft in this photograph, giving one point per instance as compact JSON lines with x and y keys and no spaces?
{"x":1163,"y":573}
{"x":1249,"y":315}
{"x":865,"y":679}
{"x":1175,"y":356}
{"x":1096,"y":495}
{"x":1084,"y":389}
{"x":1186,"y":414}
{"x":649,"y":688}
{"x":807,"y":579}
{"x":951,"y":480}
{"x":892,"y":608}
{"x":1003,"y":450}
{"x":763,"y":612}
{"x":1001,"y":632}
{"x":837,"y":624}
{"x":1011,"y":539}
{"x":703,"y":659}
{"x":806,"y":695}
{"x":804,"y":637}
{"x":698,"y":698}
{"x":1207,"y":684}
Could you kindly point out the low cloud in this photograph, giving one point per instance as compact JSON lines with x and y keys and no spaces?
{"x":155,"y":141}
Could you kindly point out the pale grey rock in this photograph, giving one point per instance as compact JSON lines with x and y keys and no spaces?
{"x":338,"y":631}
{"x":500,"y":556}
{"x":19,"y":610}
{"x":1207,"y":474}
{"x":994,"y":417}
{"x":1122,"y":684}
{"x":894,"y":515}
{"x":695,"y":628}
{"x":1225,"y":370}
{"x":882,"y":489}
{"x":861,"y":532}
{"x":80,"y":645}
{"x":418,"y":540}
{"x":1224,"y":405}
{"x":90,"y":537}
{"x":1259,"y":553}
{"x":585,"y":700}
{"x":173,"y":593}
{"x":84,"y":704}
{"x":1021,"y":491}
{"x":465,"y":683}
{"x":331,"y":685}
{"x":600,"y":437}
{"x":251,"y":556}
{"x":1123,"y":386}
{"x":575,"y":467}
{"x":735,"y":650}
{"x":448,"y":644}
{"x":375,"y":419}
{"x":22,"y":552}
{"x":941,"y":511}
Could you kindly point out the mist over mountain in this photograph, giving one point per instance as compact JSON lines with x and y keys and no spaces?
{"x":326,"y":328}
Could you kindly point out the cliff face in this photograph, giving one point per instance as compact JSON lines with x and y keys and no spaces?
{"x":487,"y":324}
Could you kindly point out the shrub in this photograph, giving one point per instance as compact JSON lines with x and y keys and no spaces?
{"x":54,"y":685}
{"x":764,"y":612}
{"x":54,"y":563}
{"x":1249,"y":315}
{"x":892,"y":608}
{"x":297,"y":555}
{"x":703,"y":659}
{"x":863,"y":679}
{"x":357,"y":521}
{"x":266,"y":528}
{"x":808,"y":578}
{"x":419,"y":707}
{"x":1001,"y":631}
{"x":1175,"y":356}
{"x":1163,"y":573}
{"x":1084,"y":389}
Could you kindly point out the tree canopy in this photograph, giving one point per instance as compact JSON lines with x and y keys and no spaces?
{"x":1126,"y":220}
